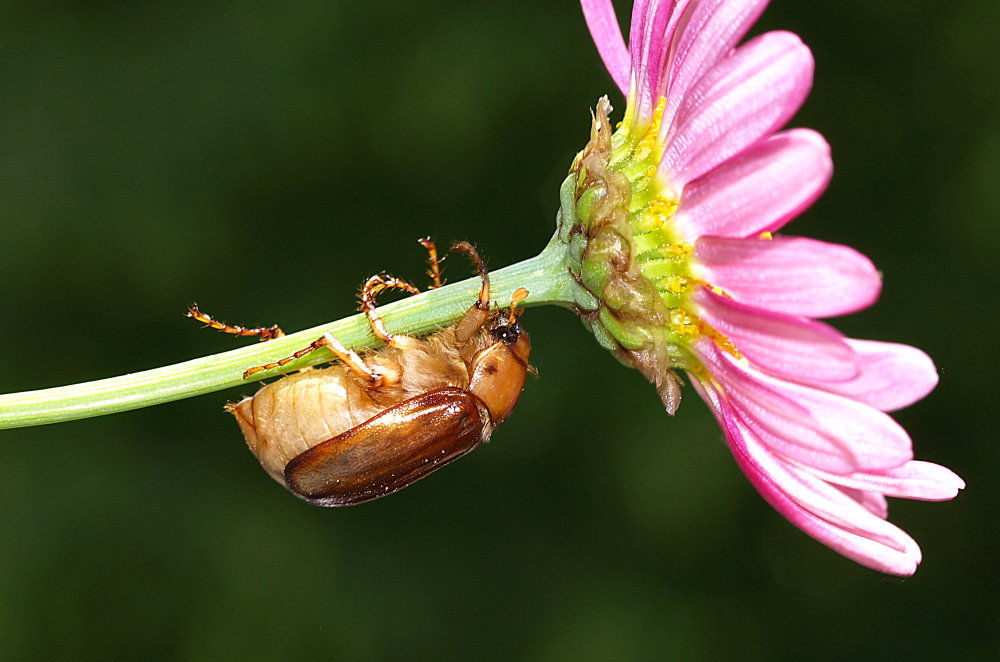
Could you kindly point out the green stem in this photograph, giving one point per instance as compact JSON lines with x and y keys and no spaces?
{"x":544,"y":276}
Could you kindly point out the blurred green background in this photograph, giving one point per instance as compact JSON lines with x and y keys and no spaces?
{"x":262,"y":159}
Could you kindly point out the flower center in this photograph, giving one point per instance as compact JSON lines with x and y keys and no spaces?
{"x":632,"y":267}
{"x":662,"y":258}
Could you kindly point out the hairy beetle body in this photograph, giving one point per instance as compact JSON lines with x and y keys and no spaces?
{"x":377,"y":422}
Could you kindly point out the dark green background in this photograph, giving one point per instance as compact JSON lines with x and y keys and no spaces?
{"x":263,"y":158}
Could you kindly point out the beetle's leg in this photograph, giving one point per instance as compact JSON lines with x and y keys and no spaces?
{"x":372,"y":287}
{"x":348,"y":357}
{"x":432,"y":260}
{"x":476,"y":316}
{"x":484,"y":292}
{"x":263,"y":333}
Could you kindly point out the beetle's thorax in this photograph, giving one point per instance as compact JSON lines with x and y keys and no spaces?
{"x":499,"y":367}
{"x":428,"y":363}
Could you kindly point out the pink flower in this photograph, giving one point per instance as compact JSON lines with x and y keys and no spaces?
{"x":701,"y":179}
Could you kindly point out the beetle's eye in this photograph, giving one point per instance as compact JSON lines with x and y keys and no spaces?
{"x":507,"y":333}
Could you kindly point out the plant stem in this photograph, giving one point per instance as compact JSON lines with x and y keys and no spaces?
{"x":544,"y":276}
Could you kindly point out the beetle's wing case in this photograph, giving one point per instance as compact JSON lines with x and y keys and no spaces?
{"x":397,"y":447}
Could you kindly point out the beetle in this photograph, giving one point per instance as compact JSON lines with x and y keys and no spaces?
{"x":377,"y":422}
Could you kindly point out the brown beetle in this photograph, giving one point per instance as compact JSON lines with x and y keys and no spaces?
{"x":371,"y":425}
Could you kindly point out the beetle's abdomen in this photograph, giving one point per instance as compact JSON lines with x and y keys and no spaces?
{"x":287,"y":417}
{"x":397,"y":447}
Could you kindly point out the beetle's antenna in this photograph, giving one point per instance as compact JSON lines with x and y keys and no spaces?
{"x":519,"y":295}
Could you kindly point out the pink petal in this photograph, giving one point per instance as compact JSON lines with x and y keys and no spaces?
{"x":820,"y":510}
{"x":714,"y":28}
{"x":891,"y":376}
{"x":638,"y":27}
{"x":789,"y":275}
{"x":780,"y":344}
{"x":650,"y":40}
{"x":740,"y":100}
{"x":914,"y":480}
{"x":761,"y":189}
{"x":873,"y":502}
{"x":607,"y":35}
{"x":844,"y":525}
{"x":812,"y":427}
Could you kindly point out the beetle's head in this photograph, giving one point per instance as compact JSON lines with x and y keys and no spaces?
{"x":506,"y":328}
{"x":498,"y":370}
{"x":513,"y":337}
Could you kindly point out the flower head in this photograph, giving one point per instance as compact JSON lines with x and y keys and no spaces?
{"x":671,"y":220}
